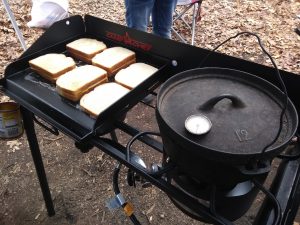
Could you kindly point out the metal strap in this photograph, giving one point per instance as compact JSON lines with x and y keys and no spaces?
{"x":115,"y":202}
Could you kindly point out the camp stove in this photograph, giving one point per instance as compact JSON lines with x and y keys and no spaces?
{"x":198,"y":199}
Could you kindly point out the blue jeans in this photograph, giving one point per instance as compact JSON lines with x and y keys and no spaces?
{"x":138,"y":13}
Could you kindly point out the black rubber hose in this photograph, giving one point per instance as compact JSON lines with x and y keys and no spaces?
{"x":212,"y":207}
{"x":134,"y":138}
{"x":134,"y":220}
{"x":116,"y":190}
{"x":116,"y":179}
{"x":277,"y":208}
{"x":158,"y":173}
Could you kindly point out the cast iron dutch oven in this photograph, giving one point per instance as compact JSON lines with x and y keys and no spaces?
{"x":215,"y":123}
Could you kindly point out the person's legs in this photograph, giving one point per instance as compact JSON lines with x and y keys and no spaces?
{"x":137,"y":16}
{"x":138,"y":13}
{"x":162,"y":17}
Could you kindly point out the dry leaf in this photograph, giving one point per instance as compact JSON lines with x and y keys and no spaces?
{"x":13,"y":145}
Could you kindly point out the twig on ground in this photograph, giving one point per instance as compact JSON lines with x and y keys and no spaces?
{"x":53,"y":139}
{"x":88,"y":172}
{"x":103,"y":217}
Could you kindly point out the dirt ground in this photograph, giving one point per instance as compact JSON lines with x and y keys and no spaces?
{"x":81,"y":184}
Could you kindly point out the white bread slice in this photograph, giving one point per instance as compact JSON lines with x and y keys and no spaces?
{"x":102,"y":97}
{"x":81,"y":57}
{"x":135,"y":74}
{"x":113,"y":59}
{"x":85,"y":48}
{"x":77,"y":82}
{"x":52,"y":65}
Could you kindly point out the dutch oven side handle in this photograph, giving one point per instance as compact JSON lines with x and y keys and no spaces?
{"x":257,"y":169}
{"x":236,"y":102}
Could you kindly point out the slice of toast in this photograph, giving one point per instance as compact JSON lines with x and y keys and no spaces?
{"x":52,"y":65}
{"x":85,"y":48}
{"x":81,"y":57}
{"x":114,"y":59}
{"x":101,"y":98}
{"x":75,"y":83}
{"x":133,"y":75}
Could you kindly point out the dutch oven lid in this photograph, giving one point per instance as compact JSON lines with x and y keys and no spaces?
{"x":225,"y":110}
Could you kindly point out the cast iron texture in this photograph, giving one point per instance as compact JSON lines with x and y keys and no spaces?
{"x":221,"y":155}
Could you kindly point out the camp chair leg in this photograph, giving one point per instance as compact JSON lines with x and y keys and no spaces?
{"x":178,"y":35}
{"x":180,"y":16}
{"x":194,"y":23}
{"x":14,"y":23}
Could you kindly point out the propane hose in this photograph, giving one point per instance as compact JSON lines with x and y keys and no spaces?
{"x":167,"y":167}
{"x":127,"y":206}
{"x":272,"y":198}
{"x":278,"y":76}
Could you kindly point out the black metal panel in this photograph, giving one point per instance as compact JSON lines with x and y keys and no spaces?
{"x":58,"y":32}
{"x":53,"y":40}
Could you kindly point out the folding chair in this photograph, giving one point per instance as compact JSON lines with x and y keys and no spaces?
{"x":188,"y":4}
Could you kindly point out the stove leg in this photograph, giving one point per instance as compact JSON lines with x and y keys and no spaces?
{"x":114,"y":136}
{"x":37,"y":159}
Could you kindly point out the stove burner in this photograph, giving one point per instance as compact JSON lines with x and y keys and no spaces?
{"x":230,"y":203}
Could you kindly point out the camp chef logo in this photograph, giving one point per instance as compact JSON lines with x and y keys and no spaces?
{"x":128,"y":40}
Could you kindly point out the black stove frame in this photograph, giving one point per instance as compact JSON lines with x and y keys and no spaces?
{"x":177,"y":57}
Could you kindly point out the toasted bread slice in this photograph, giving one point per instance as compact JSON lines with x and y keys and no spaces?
{"x":102,"y":97}
{"x":113,"y":59}
{"x":81,"y":57}
{"x":85,"y":48}
{"x":75,"y":83}
{"x":52,"y":65}
{"x":133,"y":75}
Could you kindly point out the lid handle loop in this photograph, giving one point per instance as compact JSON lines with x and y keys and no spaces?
{"x":236,"y":102}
